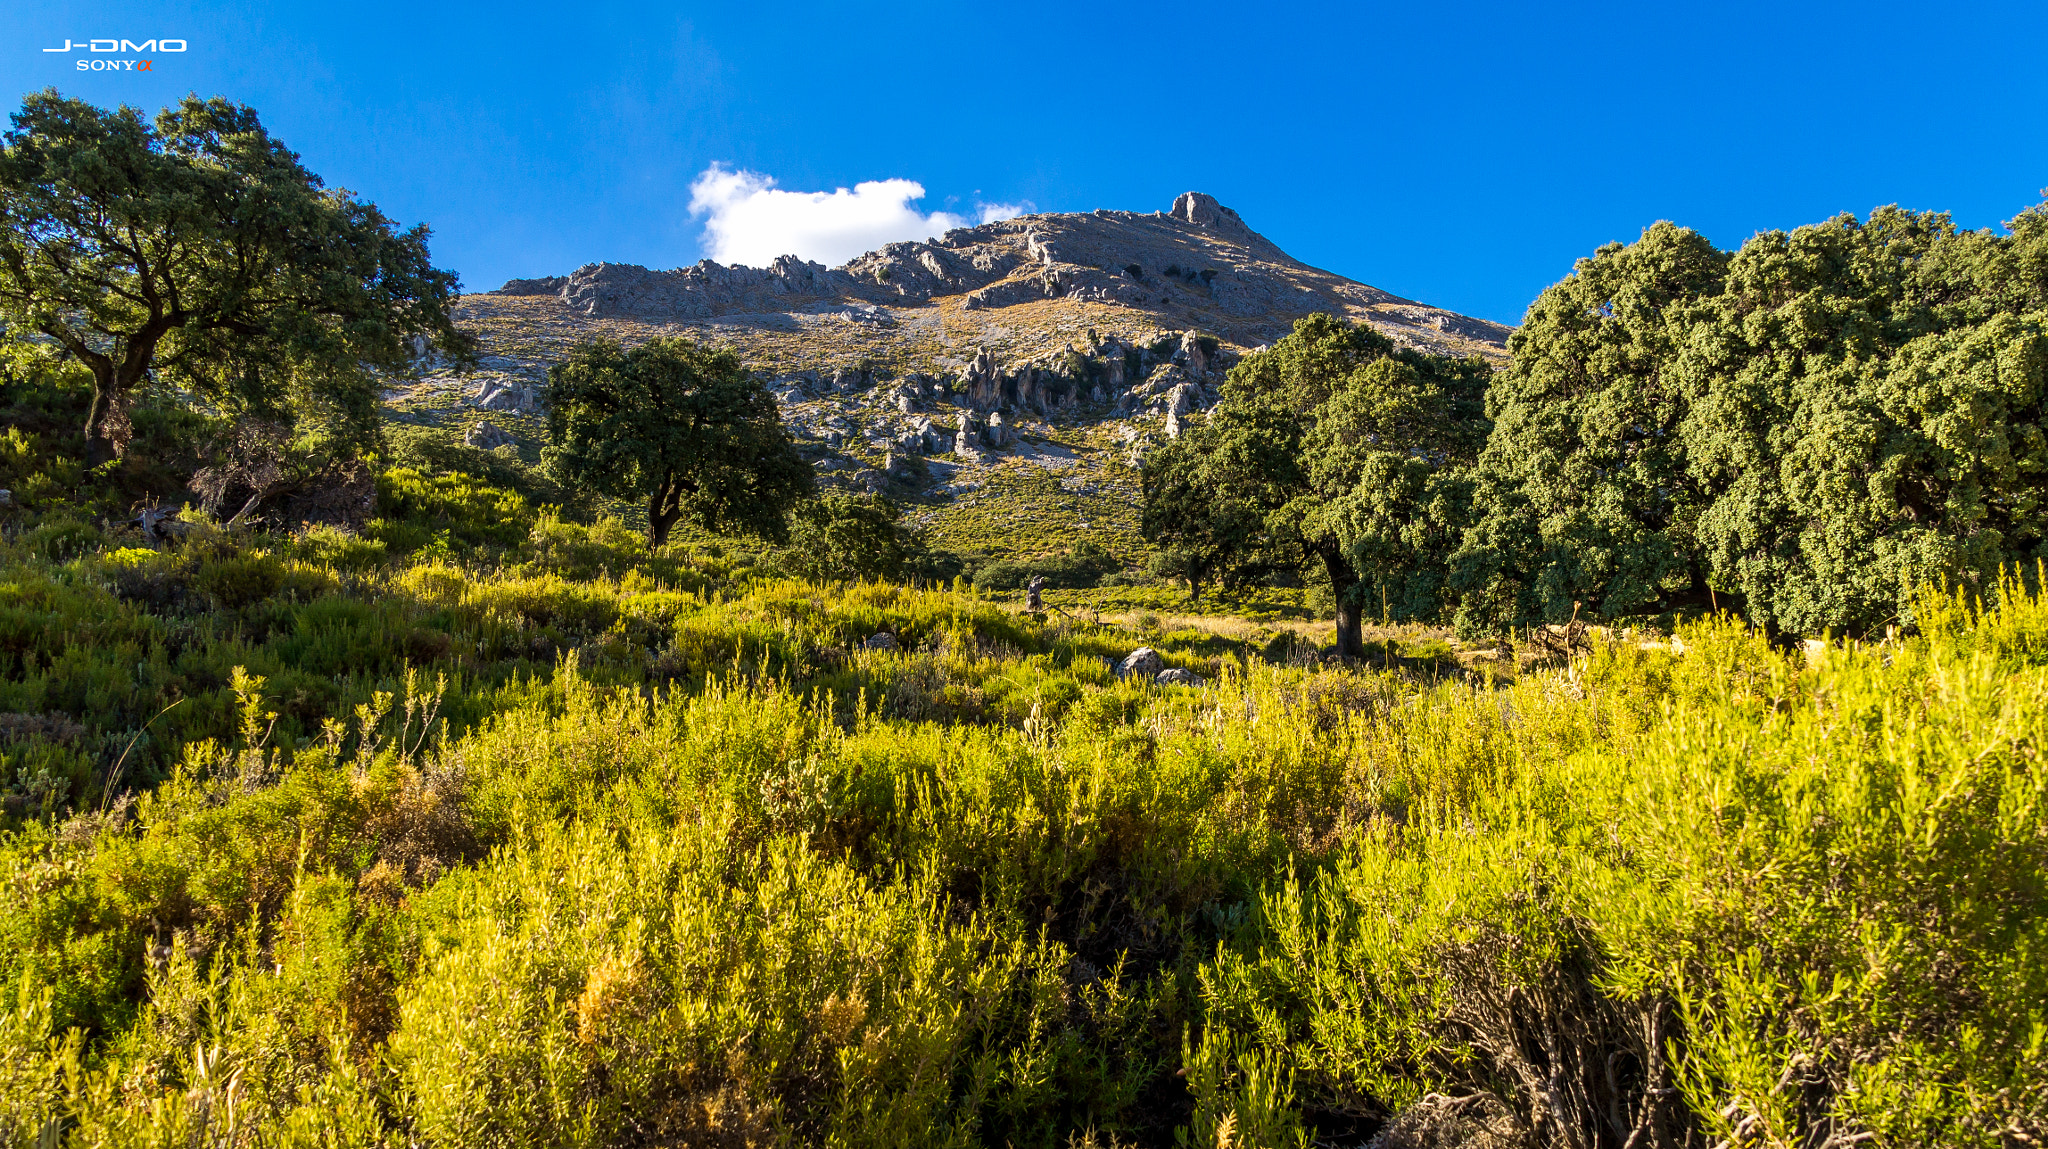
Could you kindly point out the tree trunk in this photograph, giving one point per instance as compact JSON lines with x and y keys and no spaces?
{"x":659,"y":520}
{"x":106,"y":423}
{"x":1343,"y":581}
{"x":662,"y":512}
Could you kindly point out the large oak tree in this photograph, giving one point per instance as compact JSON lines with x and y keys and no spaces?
{"x":1333,"y":455}
{"x":198,"y":251}
{"x":684,"y":427}
{"x":1809,"y":429}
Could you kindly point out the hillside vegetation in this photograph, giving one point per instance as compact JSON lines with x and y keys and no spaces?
{"x":547,"y":841}
{"x":364,"y":787}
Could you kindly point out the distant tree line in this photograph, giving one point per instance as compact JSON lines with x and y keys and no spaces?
{"x":1804,"y":430}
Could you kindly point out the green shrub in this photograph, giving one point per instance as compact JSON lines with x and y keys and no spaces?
{"x":1083,"y":566}
{"x":472,"y":513}
{"x":238,"y":580}
{"x":845,"y":537}
{"x":60,"y":538}
{"x":338,"y":549}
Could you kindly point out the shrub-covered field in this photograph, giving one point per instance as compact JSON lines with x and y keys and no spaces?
{"x":363,"y":788}
{"x":356,"y":840}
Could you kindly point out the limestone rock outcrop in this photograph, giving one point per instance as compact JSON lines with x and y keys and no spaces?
{"x":1198,"y":264}
{"x":485,"y":435}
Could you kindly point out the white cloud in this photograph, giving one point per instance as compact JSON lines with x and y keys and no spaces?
{"x":991,"y":212}
{"x":748,"y":220}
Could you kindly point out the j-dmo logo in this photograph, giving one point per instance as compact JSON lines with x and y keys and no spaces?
{"x":94,"y":47}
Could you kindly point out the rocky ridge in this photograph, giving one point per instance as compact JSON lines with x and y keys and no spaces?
{"x":1199,"y":263}
{"x":1062,"y":344}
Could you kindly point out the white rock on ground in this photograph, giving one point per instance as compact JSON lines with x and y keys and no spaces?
{"x":1144,"y":660}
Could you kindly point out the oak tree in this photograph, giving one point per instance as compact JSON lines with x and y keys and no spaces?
{"x":680,"y":425}
{"x":197,"y":250}
{"x":1809,"y":429}
{"x":1334,"y":455}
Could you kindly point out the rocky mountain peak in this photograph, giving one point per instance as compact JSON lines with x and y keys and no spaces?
{"x":1203,"y":211}
{"x":1199,"y":266}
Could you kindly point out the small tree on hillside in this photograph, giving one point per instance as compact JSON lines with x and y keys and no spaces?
{"x":1332,"y":454}
{"x":198,"y":250}
{"x":681,"y":426}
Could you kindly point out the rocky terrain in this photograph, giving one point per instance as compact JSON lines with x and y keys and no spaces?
{"x":1001,"y":380}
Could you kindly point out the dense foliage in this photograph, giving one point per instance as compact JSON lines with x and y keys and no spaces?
{"x":1807,"y":429}
{"x":197,"y":253}
{"x":599,"y":847}
{"x":1334,"y":453}
{"x":838,"y":536}
{"x":680,"y":425}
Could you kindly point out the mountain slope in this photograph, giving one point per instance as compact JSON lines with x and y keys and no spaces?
{"x":1061,"y":344}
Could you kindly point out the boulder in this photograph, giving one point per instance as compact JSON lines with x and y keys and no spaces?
{"x":6,"y":497}
{"x":486,"y":435}
{"x":1173,"y":427}
{"x":996,"y":434}
{"x":965,"y":436}
{"x":1183,"y":398}
{"x":984,"y":383}
{"x":503,"y":397}
{"x":880,"y":640}
{"x":1143,"y":661}
{"x":1174,"y":676}
{"x":1191,"y":353}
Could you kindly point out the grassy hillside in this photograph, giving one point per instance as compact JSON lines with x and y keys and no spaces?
{"x":485,"y":828}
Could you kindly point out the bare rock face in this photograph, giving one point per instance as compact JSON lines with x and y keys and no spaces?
{"x":984,"y":382}
{"x":1204,"y":212}
{"x":1199,"y":264}
{"x":1191,"y":355}
{"x":486,"y":435}
{"x":546,"y":285}
{"x":505,"y":395}
{"x":696,"y":292}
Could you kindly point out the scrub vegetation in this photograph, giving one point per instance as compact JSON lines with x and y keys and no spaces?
{"x":413,"y":800}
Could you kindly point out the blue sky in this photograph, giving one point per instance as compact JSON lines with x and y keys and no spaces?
{"x":1460,"y":154}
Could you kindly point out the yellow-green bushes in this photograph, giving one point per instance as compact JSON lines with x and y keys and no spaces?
{"x":711,"y":872}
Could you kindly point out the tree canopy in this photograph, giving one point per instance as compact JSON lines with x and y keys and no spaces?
{"x":677,"y":424}
{"x":842,"y":536}
{"x":1332,"y":454}
{"x":198,"y":251}
{"x":1808,"y":429}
